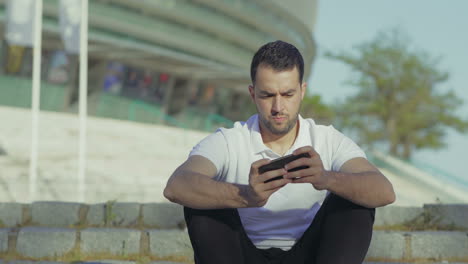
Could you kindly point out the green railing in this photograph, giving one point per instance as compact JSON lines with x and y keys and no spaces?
{"x":16,"y":92}
{"x":113,"y":106}
{"x":203,"y":121}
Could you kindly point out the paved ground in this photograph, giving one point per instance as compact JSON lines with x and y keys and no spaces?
{"x":127,"y":161}
{"x":170,"y":262}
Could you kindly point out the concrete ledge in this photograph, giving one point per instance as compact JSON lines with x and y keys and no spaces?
{"x":123,"y":214}
{"x":396,"y":215}
{"x":435,"y":246}
{"x":97,"y":229}
{"x":30,"y":262}
{"x":111,"y":214}
{"x":449,"y":214}
{"x":439,"y":245}
{"x":107,"y":261}
{"x":165,"y":243}
{"x":387,"y":245}
{"x":96,"y":215}
{"x":55,"y":213}
{"x":11,"y":214}
{"x":4,"y":239}
{"x":171,"y":262}
{"x":170,"y":216}
{"x":110,"y":240}
{"x":99,"y":261}
{"x":166,"y":215}
{"x":35,"y":242}
{"x":440,"y":216}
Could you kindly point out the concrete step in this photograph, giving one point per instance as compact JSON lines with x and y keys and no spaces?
{"x":55,"y":230}
{"x":85,"y":262}
{"x":169,"y":215}
{"x":171,"y":262}
{"x":52,"y":243}
{"x":108,"y":214}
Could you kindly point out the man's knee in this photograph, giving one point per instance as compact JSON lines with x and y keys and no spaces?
{"x":336,"y":204}
{"x":198,"y":217}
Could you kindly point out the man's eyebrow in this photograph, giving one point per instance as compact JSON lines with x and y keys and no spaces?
{"x":289,"y":91}
{"x":265,"y":92}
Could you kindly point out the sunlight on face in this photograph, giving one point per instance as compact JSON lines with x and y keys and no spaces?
{"x":277,"y":96}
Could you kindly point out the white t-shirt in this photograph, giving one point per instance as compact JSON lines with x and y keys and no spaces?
{"x":290,"y":210}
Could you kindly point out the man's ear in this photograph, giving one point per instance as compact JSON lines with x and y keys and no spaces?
{"x":303,"y":90}
{"x":252,"y":92}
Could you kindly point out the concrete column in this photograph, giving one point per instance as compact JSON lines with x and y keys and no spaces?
{"x":167,"y":94}
{"x":177,"y":94}
{"x":72,"y":85}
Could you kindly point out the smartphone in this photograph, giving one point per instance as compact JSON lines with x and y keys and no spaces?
{"x":280,"y":163}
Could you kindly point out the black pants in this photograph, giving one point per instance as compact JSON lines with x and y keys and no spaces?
{"x":340,"y":233}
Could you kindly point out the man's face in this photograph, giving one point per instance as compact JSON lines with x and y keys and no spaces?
{"x":277,"y":96}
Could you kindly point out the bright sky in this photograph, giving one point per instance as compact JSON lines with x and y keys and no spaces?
{"x":436,"y":26}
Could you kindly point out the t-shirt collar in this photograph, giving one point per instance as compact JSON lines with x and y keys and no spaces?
{"x":302,"y":138}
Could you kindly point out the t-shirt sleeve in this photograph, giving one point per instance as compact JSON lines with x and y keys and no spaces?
{"x":214,"y":148}
{"x":344,"y":149}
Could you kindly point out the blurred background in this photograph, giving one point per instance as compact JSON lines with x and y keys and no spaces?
{"x":163,"y":74}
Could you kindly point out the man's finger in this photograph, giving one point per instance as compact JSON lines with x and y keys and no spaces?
{"x":276,"y":184}
{"x":271,"y":174}
{"x":257,"y":164}
{"x":303,"y":180}
{"x":306,"y":149}
{"x":311,"y":171}
{"x":298,"y":163}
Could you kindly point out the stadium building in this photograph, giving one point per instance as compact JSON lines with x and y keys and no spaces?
{"x":170,"y":54}
{"x":184,"y":63}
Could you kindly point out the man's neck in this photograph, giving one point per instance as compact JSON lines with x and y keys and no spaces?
{"x":279,"y":143}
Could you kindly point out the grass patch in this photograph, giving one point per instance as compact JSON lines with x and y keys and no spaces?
{"x":110,"y":216}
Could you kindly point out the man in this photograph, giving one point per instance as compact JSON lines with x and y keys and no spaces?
{"x":321,"y":214}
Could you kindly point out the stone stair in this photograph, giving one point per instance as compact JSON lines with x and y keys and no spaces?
{"x":114,"y":232}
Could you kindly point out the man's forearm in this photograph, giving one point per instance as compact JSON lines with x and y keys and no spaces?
{"x":201,"y":192}
{"x":370,"y":189}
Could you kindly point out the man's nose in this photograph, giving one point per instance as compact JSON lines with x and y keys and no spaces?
{"x":277,"y":104}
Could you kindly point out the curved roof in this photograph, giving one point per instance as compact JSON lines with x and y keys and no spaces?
{"x":203,"y":39}
{"x":304,"y":10}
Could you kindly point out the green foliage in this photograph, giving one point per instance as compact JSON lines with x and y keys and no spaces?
{"x":313,"y":107}
{"x":110,"y":215}
{"x":399,"y":102}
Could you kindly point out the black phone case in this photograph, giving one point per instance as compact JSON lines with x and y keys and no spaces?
{"x":280,"y":162}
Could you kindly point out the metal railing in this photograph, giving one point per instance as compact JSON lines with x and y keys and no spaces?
{"x":16,"y":92}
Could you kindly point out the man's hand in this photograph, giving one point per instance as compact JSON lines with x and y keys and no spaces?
{"x":315,"y":174}
{"x":258,"y":192}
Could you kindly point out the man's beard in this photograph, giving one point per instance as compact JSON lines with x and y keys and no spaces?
{"x":279,"y":131}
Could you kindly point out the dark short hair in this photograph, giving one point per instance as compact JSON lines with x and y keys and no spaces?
{"x":278,"y":55}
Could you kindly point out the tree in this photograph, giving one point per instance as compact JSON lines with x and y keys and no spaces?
{"x":399,"y":101}
{"x":312,"y":106}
